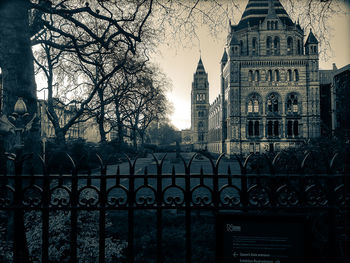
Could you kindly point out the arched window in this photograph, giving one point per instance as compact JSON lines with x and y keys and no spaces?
{"x":290,"y":75}
{"x":269,"y":128}
{"x":250,"y":128}
{"x":254,"y":45}
{"x":269,"y":75}
{"x":296,"y":75}
{"x":253,"y":104}
{"x":277,"y":75}
{"x":289,"y":128}
{"x":268,"y":45}
{"x":256,"y":128}
{"x":299,"y":47}
{"x":257,"y":75}
{"x":296,"y":128}
{"x":250,"y":106}
{"x":256,"y":106}
{"x":292,"y":103}
{"x":290,"y":46}
{"x":272,"y":103}
{"x":276,"y":45}
{"x":250,"y":75}
{"x":275,"y":128}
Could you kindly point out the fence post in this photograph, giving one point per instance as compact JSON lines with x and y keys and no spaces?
{"x":159,"y":209}
{"x":21,"y":254}
{"x":102,"y":219}
{"x":131,"y":211}
{"x":45,"y":214}
{"x":74,"y":214}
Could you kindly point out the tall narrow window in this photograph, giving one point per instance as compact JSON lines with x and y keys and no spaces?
{"x":290,"y":128}
{"x":276,"y":128}
{"x":250,"y":106}
{"x":276,"y":25}
{"x":241,"y":46}
{"x":299,"y":47}
{"x":256,"y":128}
{"x":268,"y":25}
{"x":256,"y":106}
{"x":296,"y":75}
{"x":296,"y":128}
{"x":269,"y":75}
{"x":254,"y":45}
{"x":268,"y":45}
{"x":269,"y":128}
{"x":257,"y":75}
{"x":250,"y":128}
{"x":290,"y":75}
{"x":276,"y":44}
{"x":250,"y":75}
{"x":277,"y":75}
{"x":290,"y":46}
{"x":272,"y":103}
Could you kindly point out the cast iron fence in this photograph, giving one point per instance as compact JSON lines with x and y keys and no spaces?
{"x":285,"y":183}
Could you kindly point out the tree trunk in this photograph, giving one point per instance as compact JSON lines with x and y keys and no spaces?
{"x":119,"y":126}
{"x":101,"y":117}
{"x":16,"y":62}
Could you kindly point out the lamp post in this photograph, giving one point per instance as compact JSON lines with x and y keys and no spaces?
{"x":13,"y":129}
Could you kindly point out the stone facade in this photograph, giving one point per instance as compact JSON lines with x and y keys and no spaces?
{"x":269,"y":85}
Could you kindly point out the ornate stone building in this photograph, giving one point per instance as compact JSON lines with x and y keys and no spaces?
{"x":269,"y":86}
{"x":200,"y":107}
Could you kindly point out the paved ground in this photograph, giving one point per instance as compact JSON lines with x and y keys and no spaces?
{"x":171,"y":161}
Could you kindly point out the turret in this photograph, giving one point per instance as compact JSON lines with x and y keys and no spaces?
{"x":311,"y":44}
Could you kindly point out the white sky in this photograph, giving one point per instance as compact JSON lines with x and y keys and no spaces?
{"x":179,"y":64}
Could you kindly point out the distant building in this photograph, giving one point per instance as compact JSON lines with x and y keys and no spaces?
{"x":341,"y":102}
{"x":82,"y":130}
{"x":270,"y":94}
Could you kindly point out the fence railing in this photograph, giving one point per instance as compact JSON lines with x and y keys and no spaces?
{"x":279,"y":183}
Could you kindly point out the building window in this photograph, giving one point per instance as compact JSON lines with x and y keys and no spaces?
{"x":257,"y":75}
{"x":250,"y":106}
{"x":268,"y":25}
{"x":254,"y":45}
{"x":250,"y":74}
{"x":277,"y":75}
{"x":290,"y":46}
{"x":256,"y":105}
{"x":290,"y":75}
{"x":276,"y":25}
{"x":299,"y":47}
{"x":241,"y":46}
{"x":269,"y":75}
{"x":269,"y":128}
{"x":256,"y":128}
{"x":200,"y":126}
{"x":272,"y":104}
{"x":296,"y":128}
{"x":289,"y":128}
{"x":276,"y":128}
{"x":268,"y":45}
{"x":250,"y":128}
{"x":292,"y":104}
{"x":253,"y":104}
{"x":296,"y":75}
{"x":276,"y":44}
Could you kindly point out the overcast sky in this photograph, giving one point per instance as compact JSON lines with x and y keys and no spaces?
{"x":179,"y":63}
